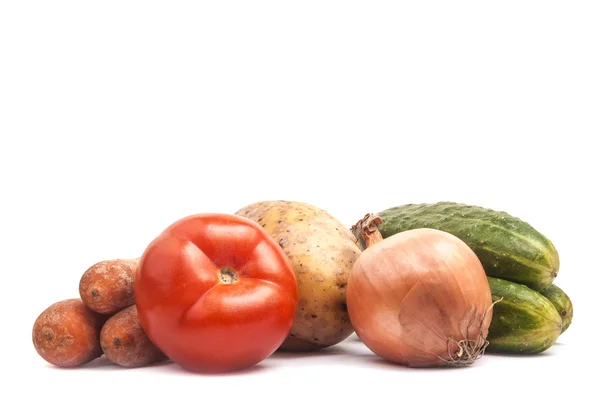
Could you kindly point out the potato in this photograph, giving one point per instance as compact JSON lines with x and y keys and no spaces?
{"x":125,"y":343}
{"x":322,"y":252}
{"x":67,"y":333}
{"x":107,"y":286}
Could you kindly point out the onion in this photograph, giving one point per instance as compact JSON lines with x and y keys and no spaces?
{"x":419,"y":298}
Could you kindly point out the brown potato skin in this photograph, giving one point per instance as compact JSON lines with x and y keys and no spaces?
{"x":107,"y":286}
{"x":322,"y":252}
{"x":125,"y":343}
{"x":67,"y":333}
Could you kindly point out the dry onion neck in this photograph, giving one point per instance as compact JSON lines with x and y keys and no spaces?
{"x":366,"y":229}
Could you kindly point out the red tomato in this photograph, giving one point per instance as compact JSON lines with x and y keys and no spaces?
{"x":215,"y":293}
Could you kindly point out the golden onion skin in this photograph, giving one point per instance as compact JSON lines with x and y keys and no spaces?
{"x":421,"y":298}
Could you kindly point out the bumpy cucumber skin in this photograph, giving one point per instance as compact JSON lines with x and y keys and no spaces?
{"x":561,"y":302}
{"x":507,"y":247}
{"x":523,"y":321}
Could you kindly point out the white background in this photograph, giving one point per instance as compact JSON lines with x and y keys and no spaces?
{"x":119,"y":117}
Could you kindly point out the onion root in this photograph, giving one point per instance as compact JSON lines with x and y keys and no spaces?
{"x":468,"y":350}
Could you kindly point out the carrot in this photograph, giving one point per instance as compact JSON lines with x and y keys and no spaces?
{"x":107,"y":286}
{"x":125,"y":343}
{"x":67,"y":333}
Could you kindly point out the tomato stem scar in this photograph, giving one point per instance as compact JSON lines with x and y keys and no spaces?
{"x":227,"y":275}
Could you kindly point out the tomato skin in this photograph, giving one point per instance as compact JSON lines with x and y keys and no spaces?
{"x":202,"y":322}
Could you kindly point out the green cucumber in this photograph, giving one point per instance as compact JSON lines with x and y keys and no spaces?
{"x":561,"y":302}
{"x":507,"y":247}
{"x":523,"y":320}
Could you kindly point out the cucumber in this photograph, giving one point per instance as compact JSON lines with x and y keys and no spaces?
{"x":507,"y":247}
{"x":561,"y":302}
{"x":523,"y":320}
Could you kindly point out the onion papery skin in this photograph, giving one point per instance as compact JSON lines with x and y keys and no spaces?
{"x":421,"y":298}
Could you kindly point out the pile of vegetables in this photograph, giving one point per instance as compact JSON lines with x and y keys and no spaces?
{"x":421,"y":285}
{"x":530,"y":311}
{"x":102,"y":321}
